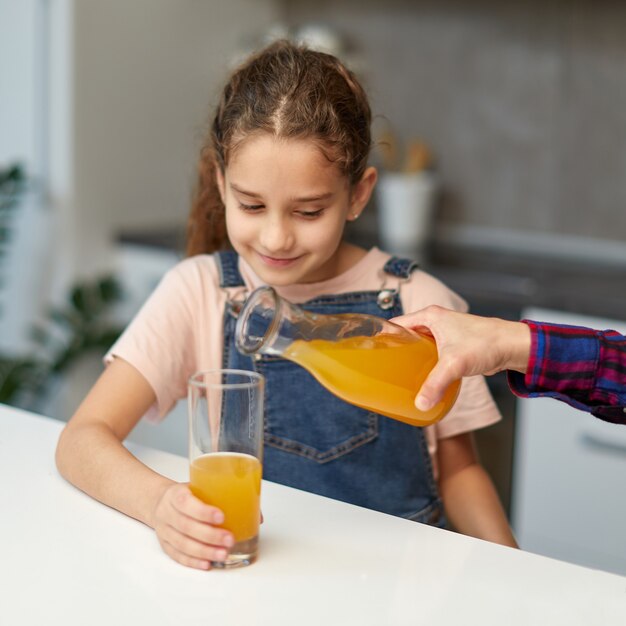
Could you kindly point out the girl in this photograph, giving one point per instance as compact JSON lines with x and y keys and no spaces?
{"x":285,"y":167}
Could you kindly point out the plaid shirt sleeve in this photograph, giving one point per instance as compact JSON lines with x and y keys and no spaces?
{"x":584,"y":367}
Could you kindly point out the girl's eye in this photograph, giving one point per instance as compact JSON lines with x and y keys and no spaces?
{"x":311,"y":214}
{"x":250,"y":207}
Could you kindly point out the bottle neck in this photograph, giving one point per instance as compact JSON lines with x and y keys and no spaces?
{"x":258,"y":324}
{"x":268,"y":325}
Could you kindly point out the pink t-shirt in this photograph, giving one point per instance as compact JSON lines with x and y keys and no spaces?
{"x":178,"y":331}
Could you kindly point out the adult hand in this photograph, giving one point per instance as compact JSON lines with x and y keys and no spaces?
{"x":467,"y":345}
{"x":187,"y":528}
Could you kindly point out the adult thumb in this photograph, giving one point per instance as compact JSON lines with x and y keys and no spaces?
{"x":432,"y":389}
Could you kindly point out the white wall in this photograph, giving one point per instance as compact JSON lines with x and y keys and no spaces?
{"x":18,"y":68}
{"x":145,"y":75}
{"x":22,"y":139}
{"x":107,"y":103}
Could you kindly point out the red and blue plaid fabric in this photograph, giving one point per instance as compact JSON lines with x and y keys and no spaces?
{"x":584,"y":367}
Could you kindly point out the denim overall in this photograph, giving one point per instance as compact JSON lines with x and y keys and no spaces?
{"x":316,"y":442}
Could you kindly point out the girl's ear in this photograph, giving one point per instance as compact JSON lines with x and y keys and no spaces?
{"x":221,"y":185}
{"x":362,"y":192}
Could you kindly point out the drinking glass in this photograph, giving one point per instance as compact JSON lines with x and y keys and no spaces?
{"x":226,"y":452}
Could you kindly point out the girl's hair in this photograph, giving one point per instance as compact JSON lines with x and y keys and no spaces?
{"x":288,"y":91}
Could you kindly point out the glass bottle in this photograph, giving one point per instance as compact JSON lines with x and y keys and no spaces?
{"x":365,"y":360}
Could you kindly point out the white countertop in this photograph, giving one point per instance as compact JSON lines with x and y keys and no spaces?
{"x":66,"y":559}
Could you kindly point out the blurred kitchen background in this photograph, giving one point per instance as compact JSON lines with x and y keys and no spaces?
{"x":512,"y":115}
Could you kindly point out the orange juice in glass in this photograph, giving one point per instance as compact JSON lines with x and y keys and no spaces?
{"x":225,"y":452}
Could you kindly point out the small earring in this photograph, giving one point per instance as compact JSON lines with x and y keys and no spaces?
{"x":354,"y":216}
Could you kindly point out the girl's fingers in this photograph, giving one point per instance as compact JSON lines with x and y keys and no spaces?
{"x":202,"y":532}
{"x":186,"y":503}
{"x":191,"y":548}
{"x":184,"y":559}
{"x":184,"y":526}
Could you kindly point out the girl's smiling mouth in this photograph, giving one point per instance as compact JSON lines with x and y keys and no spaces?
{"x":278,"y":262}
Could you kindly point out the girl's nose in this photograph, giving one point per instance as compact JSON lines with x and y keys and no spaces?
{"x":276,"y":235}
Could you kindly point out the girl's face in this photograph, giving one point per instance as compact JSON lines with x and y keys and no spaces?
{"x":286,"y":208}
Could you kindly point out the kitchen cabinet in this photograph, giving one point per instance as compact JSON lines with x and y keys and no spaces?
{"x":568,"y":495}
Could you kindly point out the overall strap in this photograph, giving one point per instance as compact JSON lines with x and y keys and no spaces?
{"x":401,"y":268}
{"x":228,"y":267}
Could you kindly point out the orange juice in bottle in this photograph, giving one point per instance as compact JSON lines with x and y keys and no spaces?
{"x":363,"y":359}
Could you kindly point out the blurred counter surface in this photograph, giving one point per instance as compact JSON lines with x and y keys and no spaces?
{"x":504,"y":283}
{"x":494,"y":282}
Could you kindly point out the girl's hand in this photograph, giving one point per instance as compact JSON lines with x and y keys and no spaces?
{"x":187,"y":528}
